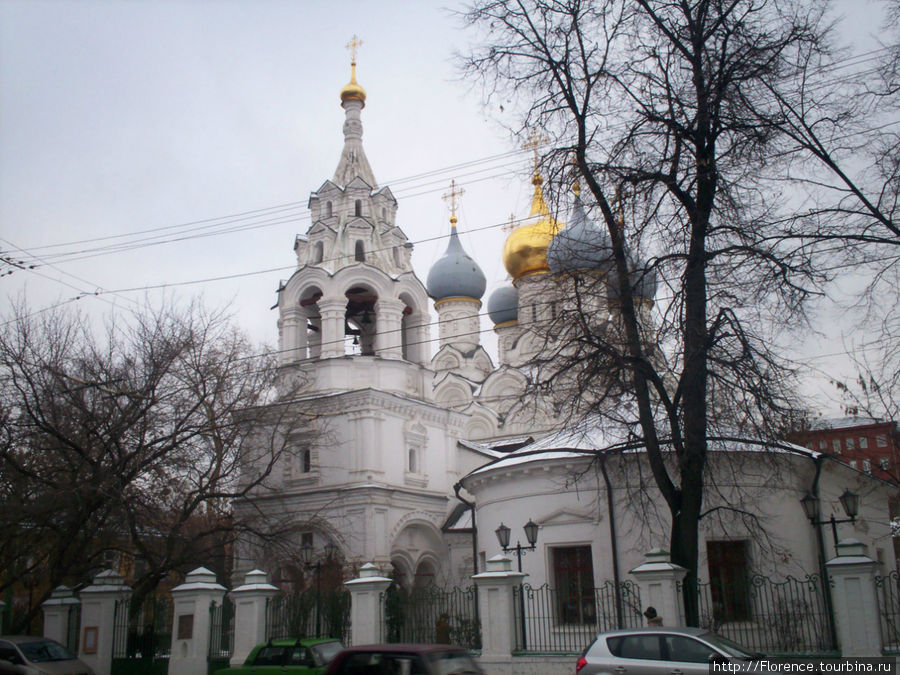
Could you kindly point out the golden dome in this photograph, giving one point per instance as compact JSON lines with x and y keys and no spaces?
{"x":525,"y":250}
{"x":352,"y":91}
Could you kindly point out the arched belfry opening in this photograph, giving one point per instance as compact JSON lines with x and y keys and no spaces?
{"x":310,"y":330}
{"x":359,"y":321}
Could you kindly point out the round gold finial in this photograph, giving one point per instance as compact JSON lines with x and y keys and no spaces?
{"x":353,"y":91}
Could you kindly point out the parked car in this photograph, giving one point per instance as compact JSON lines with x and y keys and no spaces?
{"x":30,"y":655}
{"x":658,"y":651}
{"x":404,"y":659}
{"x":288,"y":657}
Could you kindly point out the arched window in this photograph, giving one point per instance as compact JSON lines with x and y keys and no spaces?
{"x":413,"y":464}
{"x":360,"y":253}
{"x":328,"y":211}
{"x":358,"y":208}
{"x":319,"y":252}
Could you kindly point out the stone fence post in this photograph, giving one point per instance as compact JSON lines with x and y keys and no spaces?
{"x":855,"y":600}
{"x":98,"y":619}
{"x":191,"y":603}
{"x":250,"y":600}
{"x":365,"y":605}
{"x":659,"y":580}
{"x":496,"y":607}
{"x":57,"y":612}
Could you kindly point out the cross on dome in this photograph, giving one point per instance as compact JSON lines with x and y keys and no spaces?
{"x":451,"y":198}
{"x":353,"y":45}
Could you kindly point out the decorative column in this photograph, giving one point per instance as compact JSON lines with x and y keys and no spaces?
{"x":856,"y":617}
{"x":365,"y":605}
{"x":332,"y":312}
{"x":57,"y":611}
{"x":250,"y":601}
{"x":293,"y":342}
{"x":659,"y":580}
{"x":98,"y":618}
{"x":191,"y":622}
{"x":388,"y":336}
{"x":496,"y":607}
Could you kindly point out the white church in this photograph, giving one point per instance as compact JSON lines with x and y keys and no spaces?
{"x":420,"y":458}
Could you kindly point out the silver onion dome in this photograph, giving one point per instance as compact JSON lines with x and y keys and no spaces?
{"x":503,"y":305}
{"x":580,"y":247}
{"x":456,"y":274}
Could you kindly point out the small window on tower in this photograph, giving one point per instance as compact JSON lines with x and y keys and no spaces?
{"x":328,"y":210}
{"x":357,"y":211}
{"x":360,"y":253}
{"x":319,"y":252}
{"x":413,"y":460}
{"x":397,"y":256}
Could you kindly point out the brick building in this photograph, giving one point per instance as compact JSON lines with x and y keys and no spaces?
{"x":864,"y":443}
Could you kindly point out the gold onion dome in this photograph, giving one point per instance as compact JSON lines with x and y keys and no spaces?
{"x":525,"y":250}
{"x":352,"y":91}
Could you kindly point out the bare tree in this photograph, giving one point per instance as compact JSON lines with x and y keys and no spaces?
{"x":665,"y":109}
{"x":135,"y":441}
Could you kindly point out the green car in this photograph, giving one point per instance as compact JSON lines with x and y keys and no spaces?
{"x":288,"y":657}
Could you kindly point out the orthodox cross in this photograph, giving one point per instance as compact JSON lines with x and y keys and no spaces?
{"x":352,"y":46}
{"x":511,"y":225}
{"x":452,"y":196}
{"x":535,"y":140}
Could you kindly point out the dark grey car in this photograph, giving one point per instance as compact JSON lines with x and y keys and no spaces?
{"x":29,"y":655}
{"x":657,"y":651}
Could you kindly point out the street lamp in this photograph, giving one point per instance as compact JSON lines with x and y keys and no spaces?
{"x":849,"y":501}
{"x":531,"y":533}
{"x":306,"y":557}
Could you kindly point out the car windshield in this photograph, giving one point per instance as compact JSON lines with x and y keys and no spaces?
{"x":730,"y":648}
{"x":452,"y":663}
{"x":44,"y":650}
{"x":326,"y":651}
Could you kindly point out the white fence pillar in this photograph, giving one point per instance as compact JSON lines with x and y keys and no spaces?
{"x":98,"y":618}
{"x":659,"y":579}
{"x":250,"y":601}
{"x":365,"y":605}
{"x":191,"y":602}
{"x":57,"y":614}
{"x":496,"y":607}
{"x":854,"y":599}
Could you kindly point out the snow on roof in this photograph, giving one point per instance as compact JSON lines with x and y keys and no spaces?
{"x":842,"y":422}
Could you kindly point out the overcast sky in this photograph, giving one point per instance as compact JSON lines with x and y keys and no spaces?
{"x":118,"y":118}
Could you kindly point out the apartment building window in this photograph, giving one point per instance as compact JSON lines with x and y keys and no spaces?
{"x":863,"y":442}
{"x":867,"y":466}
{"x":823,"y":444}
{"x":881,"y":440}
{"x":728,"y":579}
{"x":573,"y":576}
{"x":884,"y":463}
{"x":836,"y":446}
{"x":852,"y":463}
{"x":851,"y":444}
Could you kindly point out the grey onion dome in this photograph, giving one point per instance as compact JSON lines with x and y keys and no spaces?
{"x":455,"y":274}
{"x":503,"y":305}
{"x":580,"y":247}
{"x":641,"y":276}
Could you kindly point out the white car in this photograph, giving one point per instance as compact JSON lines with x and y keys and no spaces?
{"x":658,"y":651}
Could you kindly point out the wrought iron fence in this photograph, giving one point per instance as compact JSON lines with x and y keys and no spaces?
{"x":142,"y":638}
{"x":888,"y":590}
{"x":550,"y":621}
{"x":775,"y":617}
{"x":432,"y":615}
{"x":221,"y":634}
{"x":309,"y":614}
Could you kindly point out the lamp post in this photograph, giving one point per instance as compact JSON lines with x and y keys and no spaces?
{"x":849,"y":500}
{"x":531,"y":532}
{"x":306,"y":555}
